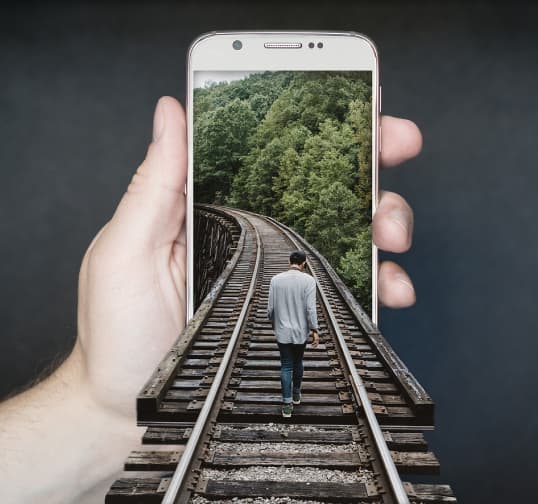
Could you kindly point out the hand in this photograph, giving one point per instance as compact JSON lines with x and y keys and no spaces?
{"x":132,"y":279}
{"x":315,"y":339}
{"x":131,"y":310}
{"x":392,"y":227}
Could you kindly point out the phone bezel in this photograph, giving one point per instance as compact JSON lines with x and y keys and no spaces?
{"x":342,"y":50}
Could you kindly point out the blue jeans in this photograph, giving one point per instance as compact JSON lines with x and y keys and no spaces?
{"x":291,"y":369}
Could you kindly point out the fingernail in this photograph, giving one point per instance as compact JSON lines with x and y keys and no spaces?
{"x":158,"y":121}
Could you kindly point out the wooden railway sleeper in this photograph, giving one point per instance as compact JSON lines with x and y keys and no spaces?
{"x":341,"y":384}
{"x":351,"y":335}
{"x":336,"y":372}
{"x":211,"y":370}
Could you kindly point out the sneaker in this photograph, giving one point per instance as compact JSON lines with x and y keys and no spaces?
{"x":297,"y":398}
{"x":287,"y":408}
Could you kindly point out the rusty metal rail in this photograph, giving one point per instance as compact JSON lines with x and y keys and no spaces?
{"x":357,"y":384}
{"x":178,"y":480}
{"x":213,"y":406}
{"x":418,"y":399}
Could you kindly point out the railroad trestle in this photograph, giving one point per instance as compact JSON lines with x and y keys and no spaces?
{"x":212,"y":407}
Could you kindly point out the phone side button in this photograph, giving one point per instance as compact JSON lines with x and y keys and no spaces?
{"x":379,"y":140}
{"x":380,"y":99}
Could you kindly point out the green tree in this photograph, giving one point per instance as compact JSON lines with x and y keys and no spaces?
{"x":263,"y":177}
{"x":333,"y":223}
{"x":300,"y":151}
{"x":220,"y":140}
{"x":360,"y":119}
{"x":355,"y":268}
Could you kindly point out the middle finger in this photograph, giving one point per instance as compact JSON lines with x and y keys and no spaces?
{"x":392,"y":226}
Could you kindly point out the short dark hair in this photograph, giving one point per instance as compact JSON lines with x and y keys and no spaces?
{"x":297,"y":257}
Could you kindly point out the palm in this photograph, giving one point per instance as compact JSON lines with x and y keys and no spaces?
{"x":132,"y":279}
{"x":131,"y":315}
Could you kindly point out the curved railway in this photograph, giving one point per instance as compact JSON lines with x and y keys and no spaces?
{"x":215,"y":431}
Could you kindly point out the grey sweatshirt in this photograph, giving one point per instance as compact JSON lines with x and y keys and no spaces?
{"x":292,"y":306}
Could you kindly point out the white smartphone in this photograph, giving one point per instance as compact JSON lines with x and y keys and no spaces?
{"x":286,"y":124}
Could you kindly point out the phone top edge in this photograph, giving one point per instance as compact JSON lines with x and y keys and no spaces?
{"x":325,"y":33}
{"x":376,"y":137}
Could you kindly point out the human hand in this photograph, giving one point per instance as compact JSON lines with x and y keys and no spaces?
{"x":315,"y":339}
{"x":392,"y":224}
{"x":132,"y":278}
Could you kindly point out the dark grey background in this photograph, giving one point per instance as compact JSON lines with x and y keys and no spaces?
{"x":78,"y":84}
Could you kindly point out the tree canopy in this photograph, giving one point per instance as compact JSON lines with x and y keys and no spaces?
{"x":295,"y":146}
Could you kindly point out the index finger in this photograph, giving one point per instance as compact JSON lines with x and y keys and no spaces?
{"x":401,"y":140}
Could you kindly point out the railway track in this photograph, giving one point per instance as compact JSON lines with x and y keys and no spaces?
{"x":215,"y":431}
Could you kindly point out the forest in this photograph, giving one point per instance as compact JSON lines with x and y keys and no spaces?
{"x":295,"y":146}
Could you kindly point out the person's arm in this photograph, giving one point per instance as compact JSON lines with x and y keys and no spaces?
{"x":58,"y":444}
{"x":270,"y":302}
{"x":311,"y":314}
{"x":66,"y":439}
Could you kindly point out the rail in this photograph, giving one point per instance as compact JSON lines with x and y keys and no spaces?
{"x":193,"y":443}
{"x":154,"y":389}
{"x":360,"y":390}
{"x":216,"y":387}
{"x":415,"y":393}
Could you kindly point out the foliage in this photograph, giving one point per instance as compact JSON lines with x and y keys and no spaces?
{"x":296,"y":146}
{"x":220,"y":139}
{"x":355,"y":268}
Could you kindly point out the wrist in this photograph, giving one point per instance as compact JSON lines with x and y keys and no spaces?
{"x":58,"y":427}
{"x":110,"y":435}
{"x":74,"y":371}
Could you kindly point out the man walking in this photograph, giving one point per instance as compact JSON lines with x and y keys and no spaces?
{"x":292,"y":310}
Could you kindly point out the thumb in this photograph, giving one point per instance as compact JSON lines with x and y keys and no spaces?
{"x":151,"y":212}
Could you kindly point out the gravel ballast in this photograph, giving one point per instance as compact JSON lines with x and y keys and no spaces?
{"x":280,"y":473}
{"x":286,"y":447}
{"x":276,"y":427}
{"x":253,"y":500}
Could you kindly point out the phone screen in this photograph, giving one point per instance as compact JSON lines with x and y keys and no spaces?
{"x":295,"y":146}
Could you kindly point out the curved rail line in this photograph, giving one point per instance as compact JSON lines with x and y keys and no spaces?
{"x":210,"y":414}
{"x":178,"y":479}
{"x":360,"y":390}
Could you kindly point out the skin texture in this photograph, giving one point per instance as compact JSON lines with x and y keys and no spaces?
{"x":130,"y":311}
